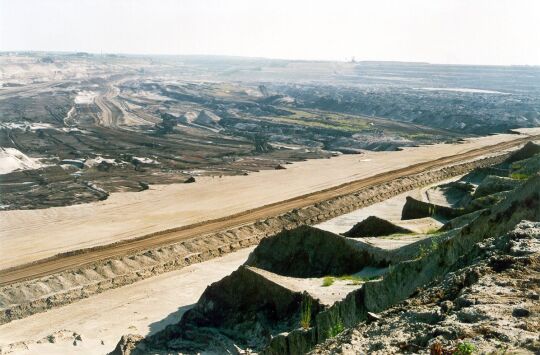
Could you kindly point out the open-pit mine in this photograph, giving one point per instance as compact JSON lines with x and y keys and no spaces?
{"x":223,"y":205}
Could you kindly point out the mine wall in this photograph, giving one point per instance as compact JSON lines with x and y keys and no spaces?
{"x":24,"y":298}
{"x":414,"y":209}
{"x":406,"y":277}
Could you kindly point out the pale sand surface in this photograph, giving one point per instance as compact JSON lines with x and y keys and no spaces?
{"x":393,"y":242}
{"x":327,"y":295}
{"x":388,"y":209}
{"x":141,"y":308}
{"x":35,"y":234}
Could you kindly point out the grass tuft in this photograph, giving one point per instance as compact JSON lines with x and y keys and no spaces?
{"x":328,"y":281}
{"x":305,"y":313}
{"x":424,"y":251}
{"x":355,"y":279}
{"x":335,"y":328}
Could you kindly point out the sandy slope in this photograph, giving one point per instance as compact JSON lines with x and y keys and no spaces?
{"x":12,"y":159}
{"x":31,"y":235}
{"x":144,"y":307}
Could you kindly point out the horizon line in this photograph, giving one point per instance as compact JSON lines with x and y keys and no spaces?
{"x":358,"y":61}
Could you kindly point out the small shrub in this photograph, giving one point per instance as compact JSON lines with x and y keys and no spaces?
{"x":328,"y":281}
{"x":424,"y":251}
{"x":305,"y":313}
{"x":336,"y":328}
{"x":465,"y":348}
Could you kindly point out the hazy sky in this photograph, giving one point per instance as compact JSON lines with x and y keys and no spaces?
{"x":437,"y":31}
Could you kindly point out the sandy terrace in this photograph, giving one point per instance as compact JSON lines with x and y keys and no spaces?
{"x":143,"y":308}
{"x":391,"y":210}
{"x":34,"y":234}
{"x":314,"y":286}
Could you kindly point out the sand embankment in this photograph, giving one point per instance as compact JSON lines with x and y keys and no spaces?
{"x":36,"y":234}
{"x":144,"y":307}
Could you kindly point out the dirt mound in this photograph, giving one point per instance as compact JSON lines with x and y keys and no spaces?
{"x":477,"y":175}
{"x":12,"y":159}
{"x":523,"y":169}
{"x":310,"y":252}
{"x":452,"y":194}
{"x":244,"y":308}
{"x":374,"y":227}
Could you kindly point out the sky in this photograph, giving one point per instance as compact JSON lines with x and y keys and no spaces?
{"x":495,"y":32}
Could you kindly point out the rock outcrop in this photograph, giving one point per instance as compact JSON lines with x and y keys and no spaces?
{"x":127,"y":345}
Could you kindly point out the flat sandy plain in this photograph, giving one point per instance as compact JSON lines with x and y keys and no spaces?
{"x":30,"y":235}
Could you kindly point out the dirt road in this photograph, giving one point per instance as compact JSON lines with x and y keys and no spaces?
{"x":109,"y":112}
{"x":86,"y":256}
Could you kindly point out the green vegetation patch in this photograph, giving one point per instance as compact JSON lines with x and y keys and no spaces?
{"x":426,"y":250}
{"x":355,"y":279}
{"x":336,"y":327}
{"x":305,"y":313}
{"x":519,"y":176}
{"x":328,"y":281}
